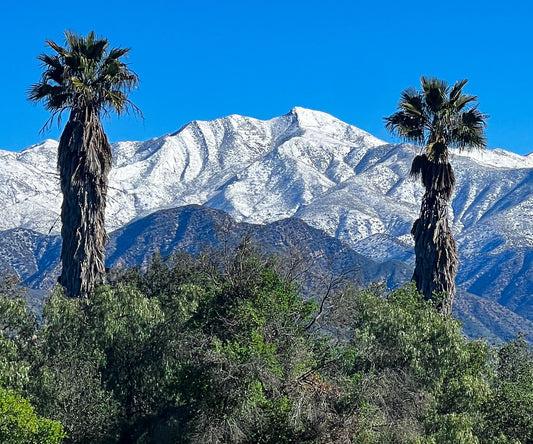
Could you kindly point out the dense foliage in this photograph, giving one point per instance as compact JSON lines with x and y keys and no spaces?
{"x":18,"y":421}
{"x":196,"y":350}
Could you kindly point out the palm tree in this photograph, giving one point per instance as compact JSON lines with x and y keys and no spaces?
{"x":88,"y":79}
{"x":438,"y":117}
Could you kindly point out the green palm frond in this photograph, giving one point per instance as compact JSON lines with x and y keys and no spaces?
{"x":117,"y":53}
{"x":96,"y":50}
{"x":457,"y":90}
{"x":469,"y":130}
{"x":406,"y":126}
{"x":411,"y":119}
{"x":435,"y":93}
{"x":62,"y":52}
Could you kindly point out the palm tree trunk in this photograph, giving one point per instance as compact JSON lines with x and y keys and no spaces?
{"x":436,"y":252}
{"x":84,"y":162}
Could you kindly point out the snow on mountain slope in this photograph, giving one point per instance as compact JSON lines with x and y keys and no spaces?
{"x":307,"y":164}
{"x":29,"y":188}
{"x":258,"y":170}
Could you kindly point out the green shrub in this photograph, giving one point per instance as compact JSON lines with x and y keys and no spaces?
{"x":20,"y":425}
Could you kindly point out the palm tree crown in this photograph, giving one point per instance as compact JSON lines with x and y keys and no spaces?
{"x":84,"y":75}
{"x":439,"y":117}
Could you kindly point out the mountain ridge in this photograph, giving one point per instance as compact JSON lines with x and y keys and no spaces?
{"x":316,"y":258}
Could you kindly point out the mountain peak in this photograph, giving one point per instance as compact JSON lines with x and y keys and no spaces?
{"x":312,"y":118}
{"x":330,"y":126}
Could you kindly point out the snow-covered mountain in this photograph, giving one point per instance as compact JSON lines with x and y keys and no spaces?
{"x":310,"y":165}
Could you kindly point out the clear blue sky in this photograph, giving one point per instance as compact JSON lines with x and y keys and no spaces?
{"x":208,"y":59}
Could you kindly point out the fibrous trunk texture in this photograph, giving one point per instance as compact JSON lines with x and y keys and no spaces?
{"x":84,"y":161}
{"x":435,"y":249}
